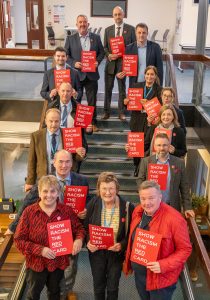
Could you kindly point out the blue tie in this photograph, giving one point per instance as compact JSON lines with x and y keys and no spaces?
{"x":53,"y":150}
{"x":64,"y":116}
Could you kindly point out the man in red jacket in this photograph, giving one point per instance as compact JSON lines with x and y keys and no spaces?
{"x":157,"y":281}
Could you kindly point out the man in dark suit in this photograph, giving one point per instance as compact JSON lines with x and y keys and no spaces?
{"x":43,"y":146}
{"x":149,"y":54}
{"x":63,"y":164}
{"x":177,"y":184}
{"x":49,"y":91}
{"x":85,"y":41}
{"x":113,"y":63}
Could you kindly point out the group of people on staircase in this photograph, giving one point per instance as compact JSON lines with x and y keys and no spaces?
{"x":55,"y":169}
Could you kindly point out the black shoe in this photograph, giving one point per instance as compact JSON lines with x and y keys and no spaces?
{"x":105,"y":116}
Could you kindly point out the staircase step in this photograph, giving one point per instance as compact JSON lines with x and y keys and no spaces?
{"x":108,"y":137}
{"x":117,"y":165}
{"x":113,"y":124}
{"x":107,"y":149}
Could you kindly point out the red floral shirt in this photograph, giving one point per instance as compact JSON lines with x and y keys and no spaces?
{"x":32,"y":236}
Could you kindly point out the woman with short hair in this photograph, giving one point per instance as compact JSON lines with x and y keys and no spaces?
{"x":31,"y":238}
{"x":108,"y":209}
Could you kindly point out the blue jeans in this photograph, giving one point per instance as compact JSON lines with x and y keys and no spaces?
{"x":161,"y":294}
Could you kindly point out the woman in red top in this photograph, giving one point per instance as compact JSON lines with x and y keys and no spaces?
{"x":31,"y":238}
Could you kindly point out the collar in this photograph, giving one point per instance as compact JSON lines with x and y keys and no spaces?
{"x":57,"y":132}
{"x":64,"y":179}
{"x":37,"y":208}
{"x":164,"y":162}
{"x":142,"y":46}
{"x":60,"y":68}
{"x":68,"y":104}
{"x":121,"y":26}
{"x":84,"y":36}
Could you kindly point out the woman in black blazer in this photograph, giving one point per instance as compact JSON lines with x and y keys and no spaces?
{"x":151,"y":89}
{"x":108,"y":209}
{"x":168,"y":120}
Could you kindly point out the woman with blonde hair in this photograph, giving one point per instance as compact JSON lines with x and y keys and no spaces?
{"x":168,"y":120}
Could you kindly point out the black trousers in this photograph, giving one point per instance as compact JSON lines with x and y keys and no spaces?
{"x":106,"y":267}
{"x":109,"y":84}
{"x":91,"y":89}
{"x":37,"y":280}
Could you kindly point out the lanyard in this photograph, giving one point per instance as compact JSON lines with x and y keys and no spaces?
{"x":146,"y":94}
{"x":106,"y":224}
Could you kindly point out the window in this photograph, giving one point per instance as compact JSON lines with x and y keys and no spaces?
{"x":103,"y":8}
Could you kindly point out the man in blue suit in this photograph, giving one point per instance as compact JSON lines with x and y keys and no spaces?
{"x":49,"y":91}
{"x":84,"y":40}
{"x":149,"y":54}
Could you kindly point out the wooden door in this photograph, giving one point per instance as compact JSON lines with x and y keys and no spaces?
{"x":35,"y":23}
{"x":5,"y":16}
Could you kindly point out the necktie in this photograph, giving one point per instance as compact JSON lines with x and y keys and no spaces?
{"x":118,"y":31}
{"x":53,"y":150}
{"x":64,"y":116}
{"x":63,"y":185}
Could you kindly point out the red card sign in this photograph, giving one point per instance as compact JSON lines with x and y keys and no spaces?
{"x":136,"y":144}
{"x":134,"y":96}
{"x":84,"y":115}
{"x":145,"y":246}
{"x":61,"y":76}
{"x":102,"y":237}
{"x":159,"y":174}
{"x":117,"y":45}
{"x":72,"y":139}
{"x":130,"y":64}
{"x":75,"y":197}
{"x":152,"y":107}
{"x":88,"y":61}
{"x":161,"y":130}
{"x":60,"y":237}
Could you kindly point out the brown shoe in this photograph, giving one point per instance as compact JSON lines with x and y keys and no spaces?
{"x":95,"y":128}
{"x":105,"y":116}
{"x":122,"y":117}
{"x":193,"y":275}
{"x":71,"y":296}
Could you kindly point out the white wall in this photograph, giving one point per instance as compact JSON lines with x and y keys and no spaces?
{"x":150,"y":12}
{"x":19,"y":15}
{"x":189,"y":23}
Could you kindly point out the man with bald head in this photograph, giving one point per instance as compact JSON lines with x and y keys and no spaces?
{"x":62,"y":164}
{"x":113,"y":63}
{"x":44,"y":143}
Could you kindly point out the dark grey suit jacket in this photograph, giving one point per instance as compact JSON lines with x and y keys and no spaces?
{"x":129,"y":37}
{"x":153,"y":58}
{"x":49,"y":84}
{"x":33,"y":196}
{"x":74,"y":49}
{"x":179,"y":187}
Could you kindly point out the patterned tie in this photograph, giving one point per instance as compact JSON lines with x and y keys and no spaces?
{"x":64,"y":116}
{"x":63,"y":185}
{"x":53,"y":150}
{"x":118,"y":31}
